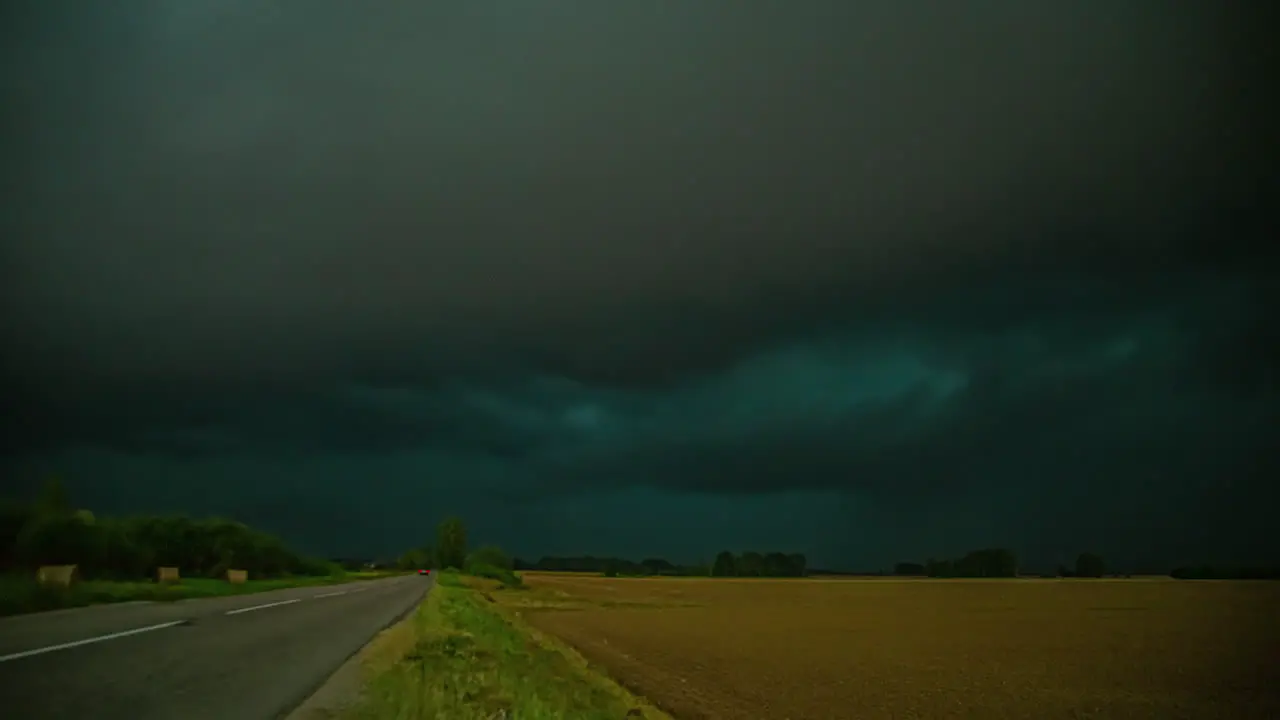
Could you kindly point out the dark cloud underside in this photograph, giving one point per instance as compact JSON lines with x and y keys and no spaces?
{"x":875,"y":259}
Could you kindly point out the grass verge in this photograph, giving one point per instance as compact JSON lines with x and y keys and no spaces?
{"x":463,"y":656}
{"x":21,"y":594}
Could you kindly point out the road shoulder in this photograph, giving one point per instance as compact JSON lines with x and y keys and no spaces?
{"x":341,"y":691}
{"x":460,"y":655}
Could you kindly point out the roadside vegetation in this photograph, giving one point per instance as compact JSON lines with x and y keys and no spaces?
{"x":466,"y":653}
{"x":117,"y":558}
{"x":451,"y":552}
{"x":461,"y":656}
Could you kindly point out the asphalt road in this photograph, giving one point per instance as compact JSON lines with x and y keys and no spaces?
{"x":247,"y":657}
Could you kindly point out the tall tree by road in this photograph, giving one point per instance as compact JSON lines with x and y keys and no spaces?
{"x":451,"y":543}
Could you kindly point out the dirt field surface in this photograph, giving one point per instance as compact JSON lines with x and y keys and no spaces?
{"x":866,"y":649}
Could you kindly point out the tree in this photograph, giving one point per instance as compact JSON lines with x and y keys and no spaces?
{"x":702,"y":568}
{"x":990,"y":562}
{"x":751,"y":564}
{"x":62,"y":540}
{"x":490,"y":555}
{"x":53,"y":498}
{"x":939,"y":568}
{"x":451,"y":543}
{"x":1090,"y":565}
{"x":123,"y":557}
{"x":415,"y":559}
{"x":798,"y":564}
{"x":13,"y":517}
{"x":776,"y":565}
{"x":657,"y":566}
{"x":724,"y":565}
{"x":999,"y":562}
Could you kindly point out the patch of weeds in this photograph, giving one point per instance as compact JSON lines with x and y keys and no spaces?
{"x":468,"y":661}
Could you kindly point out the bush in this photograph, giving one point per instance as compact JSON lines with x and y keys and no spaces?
{"x":508,"y":578}
{"x":491,"y":555}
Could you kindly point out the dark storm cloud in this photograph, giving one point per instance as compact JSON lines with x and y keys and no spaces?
{"x":212,"y":192}
{"x":864,"y":250}
{"x":911,"y":416}
{"x":905,"y":415}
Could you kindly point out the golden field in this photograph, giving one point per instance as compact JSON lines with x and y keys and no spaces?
{"x":885,"y":648}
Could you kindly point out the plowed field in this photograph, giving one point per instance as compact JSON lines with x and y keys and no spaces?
{"x":870,"y":649}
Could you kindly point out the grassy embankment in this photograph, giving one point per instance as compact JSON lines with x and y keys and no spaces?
{"x":21,"y":594}
{"x":465,"y":655}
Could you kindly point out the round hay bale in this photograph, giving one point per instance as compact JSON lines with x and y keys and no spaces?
{"x":58,"y":575}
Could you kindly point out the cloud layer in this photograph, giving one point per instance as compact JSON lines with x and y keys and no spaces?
{"x":874,"y":262}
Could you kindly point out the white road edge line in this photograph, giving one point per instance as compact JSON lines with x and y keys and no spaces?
{"x":331,"y":594}
{"x":359,"y":590}
{"x":261,"y":607}
{"x":78,"y":643}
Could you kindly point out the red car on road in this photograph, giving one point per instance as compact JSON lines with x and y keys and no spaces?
{"x":424,"y":572}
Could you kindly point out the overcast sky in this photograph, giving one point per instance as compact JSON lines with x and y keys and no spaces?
{"x":873,"y":281}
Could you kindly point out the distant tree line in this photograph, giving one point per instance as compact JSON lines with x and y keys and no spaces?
{"x":1088,"y":565}
{"x":50,"y":531}
{"x":995,"y":563}
{"x":755,"y":564}
{"x":986,"y":563}
{"x":1206,"y":572}
{"x":585,"y":563}
{"x":612,"y":566}
{"x":726,"y":564}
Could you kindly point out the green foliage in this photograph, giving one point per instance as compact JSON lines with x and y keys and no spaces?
{"x":53,"y":498}
{"x":585,"y":563}
{"x":59,"y":539}
{"x":938,"y":568}
{"x":754,"y":564}
{"x":416,"y":559}
{"x":908,"y":568}
{"x":50,"y":532}
{"x":724,"y":565}
{"x":503,"y":575}
{"x":990,"y":562}
{"x":1089,"y":565}
{"x":490,"y":555}
{"x":490,"y":561}
{"x":466,"y":661}
{"x":750,"y":564}
{"x":797,"y":565}
{"x":698,"y":569}
{"x":14,"y":517}
{"x":658,"y":566}
{"x":449,"y":578}
{"x":451,"y":543}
